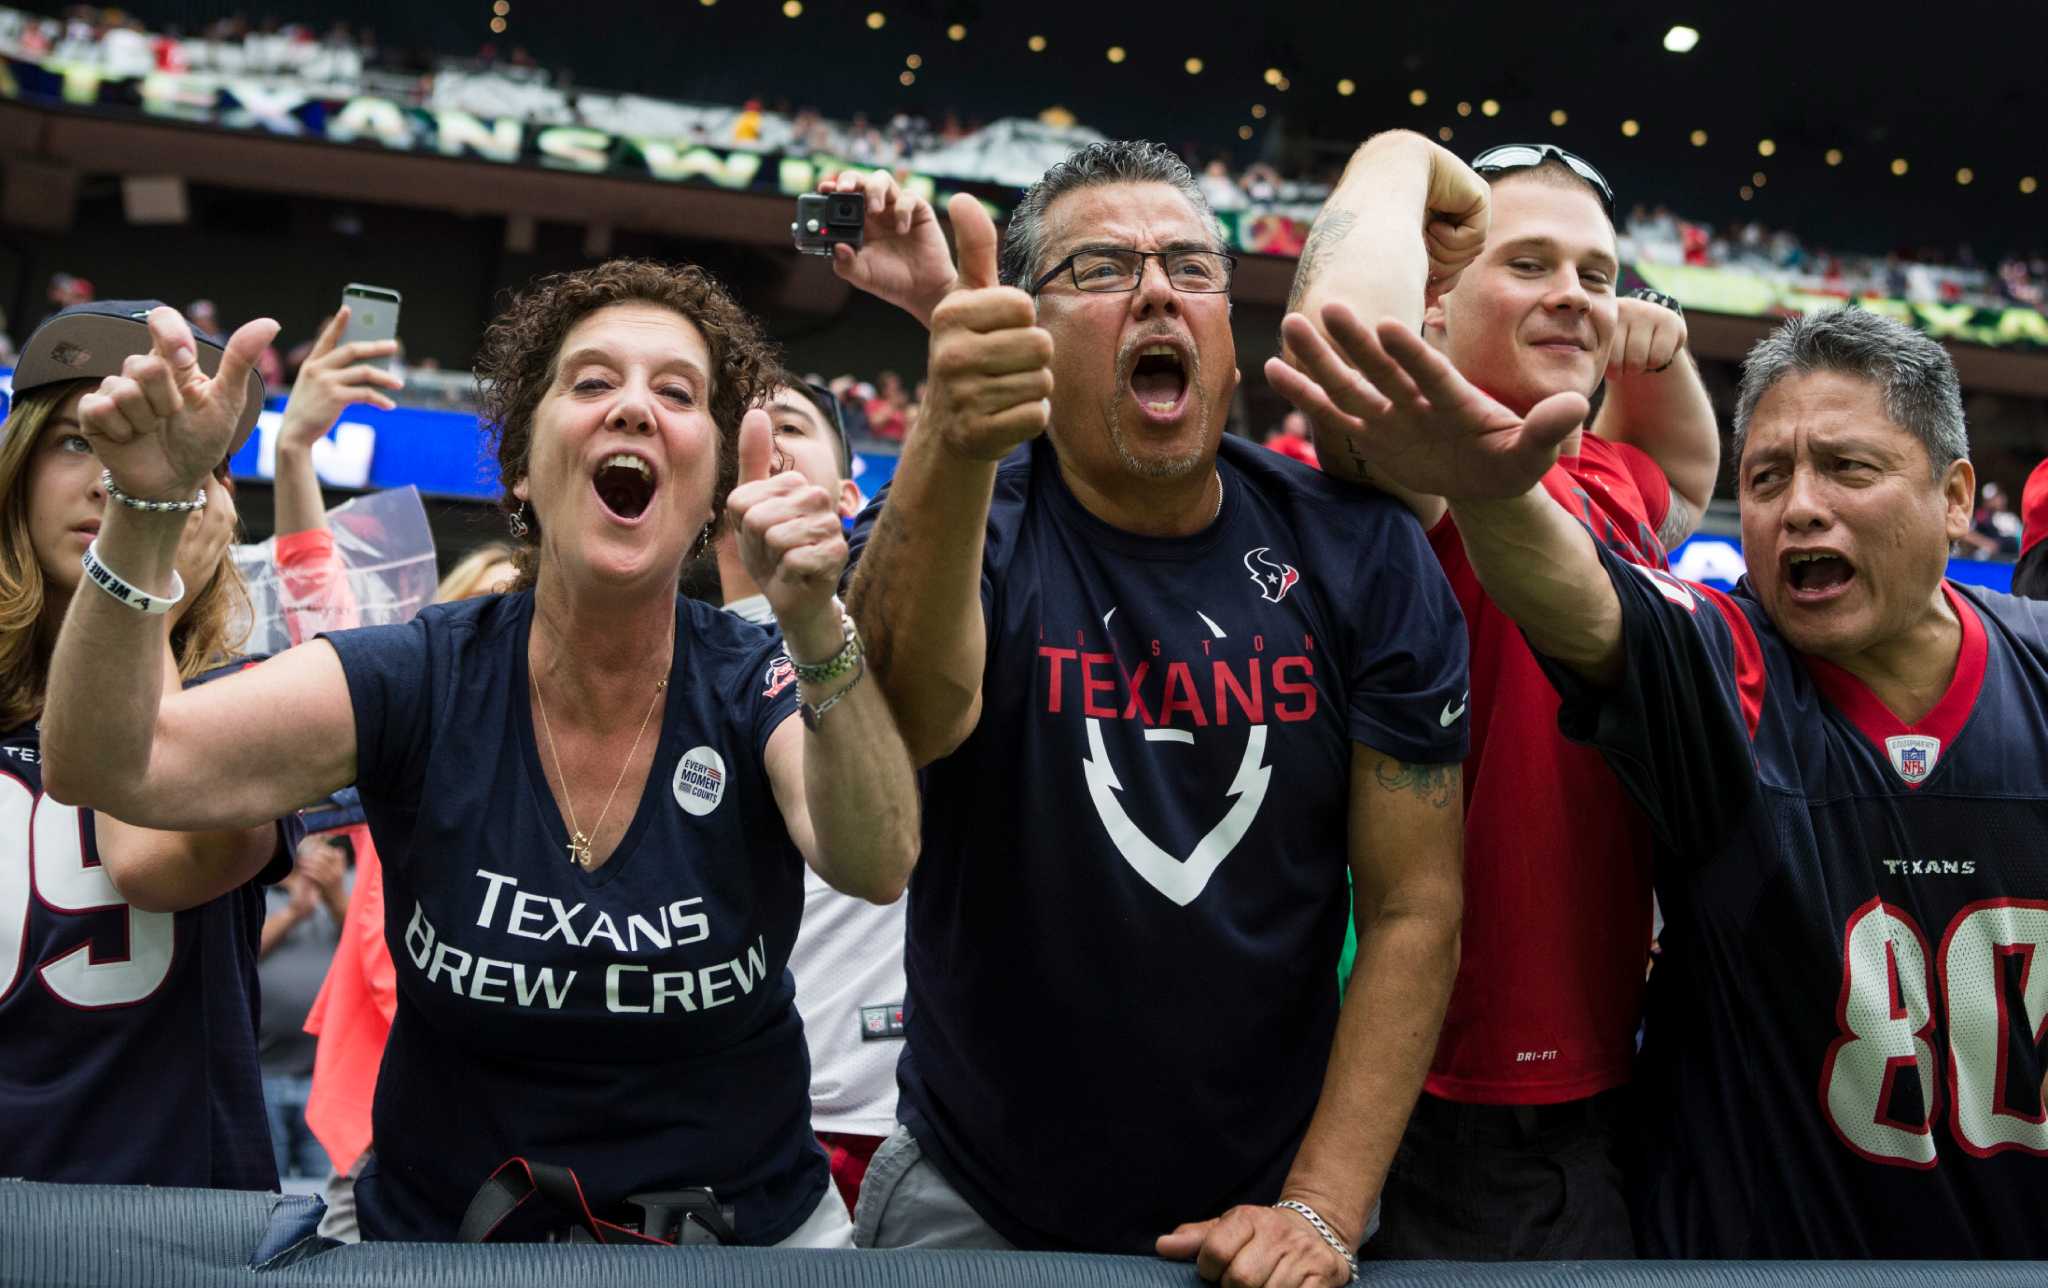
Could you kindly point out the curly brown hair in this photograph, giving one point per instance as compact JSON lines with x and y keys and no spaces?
{"x":521,"y":347}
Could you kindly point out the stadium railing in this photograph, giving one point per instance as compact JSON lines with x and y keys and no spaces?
{"x":57,"y":1236}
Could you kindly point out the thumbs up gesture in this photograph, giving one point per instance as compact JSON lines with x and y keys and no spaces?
{"x":162,"y":424}
{"x":790,"y":540}
{"x":991,"y":365}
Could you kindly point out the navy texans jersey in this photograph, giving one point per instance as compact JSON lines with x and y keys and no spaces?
{"x":127,"y":1038}
{"x":635,"y":1023}
{"x":1843,"y":1052}
{"x":1124,"y":927}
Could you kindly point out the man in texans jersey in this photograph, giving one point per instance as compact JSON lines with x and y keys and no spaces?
{"x":1167,"y":688}
{"x":1843,"y":767}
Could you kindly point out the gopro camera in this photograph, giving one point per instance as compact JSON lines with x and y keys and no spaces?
{"x":827,"y":219}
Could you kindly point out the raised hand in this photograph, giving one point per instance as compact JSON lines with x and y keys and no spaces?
{"x":1647,"y":339}
{"x":991,"y":364}
{"x":334,"y":376}
{"x":790,"y":540}
{"x":162,"y":424}
{"x":1404,"y":411}
{"x":1249,"y":1245}
{"x":903,"y":257}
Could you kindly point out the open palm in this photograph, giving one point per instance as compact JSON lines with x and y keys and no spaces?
{"x":1403,"y":410}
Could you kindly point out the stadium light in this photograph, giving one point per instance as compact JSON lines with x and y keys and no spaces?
{"x":956,"y":32}
{"x":1258,"y":111}
{"x":914,"y":61}
{"x":907,"y":79}
{"x":1766,"y":147}
{"x":1272,"y":75}
{"x":1965,"y":175}
{"x":1244,"y":132}
{"x":1699,"y":138}
{"x":792,"y":8}
{"x":1747,"y":192}
{"x":1194,"y":66}
{"x":877,"y":20}
{"x":502,"y":7}
{"x":1347,"y":87}
{"x":498,"y":26}
{"x":1464,"y":108}
{"x":1116,"y":53}
{"x":1491,"y":107}
{"x":707,"y":3}
{"x":1899,"y":165}
{"x":1757,"y":178}
{"x":1444,"y":132}
{"x":1036,"y":44}
{"x":1557,"y":116}
{"x":1283,"y":84}
{"x":1833,"y":157}
{"x":2028,"y":184}
{"x":1680,"y":39}
{"x":1630,"y":128}
{"x":1417,"y":97}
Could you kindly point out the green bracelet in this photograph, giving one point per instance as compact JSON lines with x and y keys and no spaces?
{"x":839,"y":663}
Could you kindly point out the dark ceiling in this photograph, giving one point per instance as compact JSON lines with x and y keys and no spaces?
{"x":1957,"y":86}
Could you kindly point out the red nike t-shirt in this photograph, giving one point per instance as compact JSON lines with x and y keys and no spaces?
{"x":1557,"y":857}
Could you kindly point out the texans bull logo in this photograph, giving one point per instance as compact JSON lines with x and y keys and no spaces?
{"x":1274,"y":580}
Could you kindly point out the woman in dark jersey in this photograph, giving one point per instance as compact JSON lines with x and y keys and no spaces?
{"x":592,"y":799}
{"x":127,"y":1000}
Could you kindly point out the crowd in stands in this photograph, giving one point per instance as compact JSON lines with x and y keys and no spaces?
{"x":507,"y":80}
{"x":1656,"y":235}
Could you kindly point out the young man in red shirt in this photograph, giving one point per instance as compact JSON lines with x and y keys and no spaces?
{"x":1511,"y":1151}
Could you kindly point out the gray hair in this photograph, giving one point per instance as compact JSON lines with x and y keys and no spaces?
{"x":1914,"y":374}
{"x":1120,"y":161}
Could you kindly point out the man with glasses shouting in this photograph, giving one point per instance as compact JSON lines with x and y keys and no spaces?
{"x":1511,"y":1153}
{"x":1169,"y":687}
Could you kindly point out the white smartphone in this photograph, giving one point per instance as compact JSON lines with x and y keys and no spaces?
{"x":372,"y":315}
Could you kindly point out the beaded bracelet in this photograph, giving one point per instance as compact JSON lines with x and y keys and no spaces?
{"x":1322,"y":1227}
{"x":839,"y":663}
{"x":113,"y":490}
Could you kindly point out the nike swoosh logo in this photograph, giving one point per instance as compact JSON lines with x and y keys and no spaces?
{"x":1452,"y":713}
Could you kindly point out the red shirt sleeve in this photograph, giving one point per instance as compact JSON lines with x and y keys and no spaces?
{"x":316,"y":593}
{"x":1650,"y":480}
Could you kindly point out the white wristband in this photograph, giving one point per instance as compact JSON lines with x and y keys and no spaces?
{"x":114,"y":584}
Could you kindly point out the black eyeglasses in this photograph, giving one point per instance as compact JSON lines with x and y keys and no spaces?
{"x":1107,"y":270}
{"x":1522,"y":156}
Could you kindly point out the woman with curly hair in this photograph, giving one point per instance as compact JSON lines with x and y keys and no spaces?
{"x":127,"y":954}
{"x":593,"y":800}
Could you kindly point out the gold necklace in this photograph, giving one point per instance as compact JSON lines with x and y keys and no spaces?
{"x":579,"y":843}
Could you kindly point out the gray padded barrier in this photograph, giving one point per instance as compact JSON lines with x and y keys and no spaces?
{"x":72,"y":1236}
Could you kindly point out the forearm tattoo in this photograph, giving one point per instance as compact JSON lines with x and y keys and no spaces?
{"x":1431,"y":783}
{"x":1330,"y":230}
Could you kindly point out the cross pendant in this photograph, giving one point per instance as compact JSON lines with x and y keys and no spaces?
{"x":579,"y":850}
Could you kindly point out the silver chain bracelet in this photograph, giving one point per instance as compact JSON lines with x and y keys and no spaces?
{"x":1322,"y":1227}
{"x":113,"y":490}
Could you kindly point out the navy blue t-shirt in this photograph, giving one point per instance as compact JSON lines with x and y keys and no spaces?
{"x":1843,"y":1054}
{"x":127,"y":1038}
{"x":635,"y":1023}
{"x":1124,"y":927}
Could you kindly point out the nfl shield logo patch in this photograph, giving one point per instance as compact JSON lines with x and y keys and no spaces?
{"x":1913,"y":756}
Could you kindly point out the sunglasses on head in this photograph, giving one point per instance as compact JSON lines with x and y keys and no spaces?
{"x":1524,"y":156}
